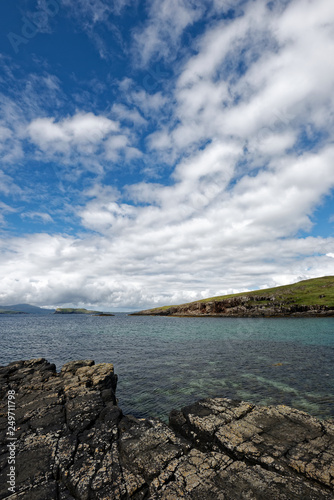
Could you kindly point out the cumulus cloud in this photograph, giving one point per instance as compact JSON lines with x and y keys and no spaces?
{"x":83,"y":128}
{"x":166,"y":23}
{"x":25,"y":99}
{"x":251,"y":154}
{"x":84,"y":138}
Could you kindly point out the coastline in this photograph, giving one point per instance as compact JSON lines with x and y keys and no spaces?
{"x":72,"y":441}
{"x":308,"y":298}
{"x":241,"y":307}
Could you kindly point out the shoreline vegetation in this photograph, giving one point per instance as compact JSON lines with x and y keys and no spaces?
{"x":307,"y":298}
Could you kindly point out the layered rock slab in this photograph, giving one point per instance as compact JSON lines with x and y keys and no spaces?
{"x":73,"y":442}
{"x":275,"y":452}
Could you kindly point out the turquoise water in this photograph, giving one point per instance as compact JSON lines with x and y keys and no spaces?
{"x":166,"y":363}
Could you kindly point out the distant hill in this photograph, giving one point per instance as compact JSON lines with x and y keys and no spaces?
{"x":314,"y":297}
{"x":25,"y":308}
{"x":10,"y":311}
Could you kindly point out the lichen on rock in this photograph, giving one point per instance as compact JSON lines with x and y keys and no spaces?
{"x":73,"y":442}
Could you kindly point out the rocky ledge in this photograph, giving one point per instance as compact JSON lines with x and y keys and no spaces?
{"x":72,"y":441}
{"x":245,"y":306}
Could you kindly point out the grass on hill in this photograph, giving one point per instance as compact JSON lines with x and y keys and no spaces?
{"x":316,"y":291}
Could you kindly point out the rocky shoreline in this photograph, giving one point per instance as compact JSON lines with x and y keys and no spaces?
{"x":255,"y":306}
{"x":72,"y":441}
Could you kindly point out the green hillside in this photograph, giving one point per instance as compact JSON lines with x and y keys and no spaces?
{"x":312,"y":292}
{"x":319,"y":291}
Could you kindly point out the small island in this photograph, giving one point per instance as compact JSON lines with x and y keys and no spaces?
{"x":104,"y":314}
{"x":69,"y":310}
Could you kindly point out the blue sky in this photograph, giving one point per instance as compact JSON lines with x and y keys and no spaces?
{"x":158,"y":152}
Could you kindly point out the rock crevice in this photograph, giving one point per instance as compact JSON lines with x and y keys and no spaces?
{"x":72,"y":441}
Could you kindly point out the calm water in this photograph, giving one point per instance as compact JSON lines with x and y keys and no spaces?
{"x":166,"y":363}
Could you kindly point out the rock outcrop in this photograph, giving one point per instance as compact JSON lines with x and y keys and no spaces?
{"x":72,"y":441}
{"x":255,"y":306}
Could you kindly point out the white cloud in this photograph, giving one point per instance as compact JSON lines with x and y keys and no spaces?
{"x":5,"y":133}
{"x":149,"y":103}
{"x":95,"y":11}
{"x":130,"y":272}
{"x":286,"y":83}
{"x":81,"y":128}
{"x":26,"y":98}
{"x":90,"y":15}
{"x":251,"y":156}
{"x":162,"y":32}
{"x":124,"y":113}
{"x":83,"y":139}
{"x":5,"y":209}
{"x":40,"y":216}
{"x":8,"y":186}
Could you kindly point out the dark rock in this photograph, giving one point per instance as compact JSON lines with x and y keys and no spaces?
{"x":275,"y":452}
{"x":73,"y":442}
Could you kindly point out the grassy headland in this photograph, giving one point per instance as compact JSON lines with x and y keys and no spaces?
{"x":313,"y":297}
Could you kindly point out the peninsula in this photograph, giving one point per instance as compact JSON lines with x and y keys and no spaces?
{"x":310,"y":298}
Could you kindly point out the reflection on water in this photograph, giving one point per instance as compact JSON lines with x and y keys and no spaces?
{"x":166,"y":363}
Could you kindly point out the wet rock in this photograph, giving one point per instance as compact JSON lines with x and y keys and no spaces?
{"x":73,"y":442}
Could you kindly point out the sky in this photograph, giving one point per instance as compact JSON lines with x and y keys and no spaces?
{"x":163,"y":151}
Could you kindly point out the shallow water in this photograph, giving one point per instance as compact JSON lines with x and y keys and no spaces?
{"x":166,"y":363}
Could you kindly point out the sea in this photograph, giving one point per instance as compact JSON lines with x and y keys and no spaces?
{"x":168,"y":362}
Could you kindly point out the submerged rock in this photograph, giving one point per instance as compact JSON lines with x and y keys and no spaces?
{"x":72,"y":441}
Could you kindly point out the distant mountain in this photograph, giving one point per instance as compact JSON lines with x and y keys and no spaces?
{"x":26,"y":308}
{"x":10,"y":311}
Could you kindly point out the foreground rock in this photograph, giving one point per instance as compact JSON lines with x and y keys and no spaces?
{"x":73,"y":442}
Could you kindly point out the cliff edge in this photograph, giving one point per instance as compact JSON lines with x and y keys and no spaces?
{"x":308,"y":298}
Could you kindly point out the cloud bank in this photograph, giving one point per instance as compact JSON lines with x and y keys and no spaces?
{"x":209,"y":184}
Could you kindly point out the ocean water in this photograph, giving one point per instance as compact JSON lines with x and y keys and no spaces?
{"x":164,"y":363}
